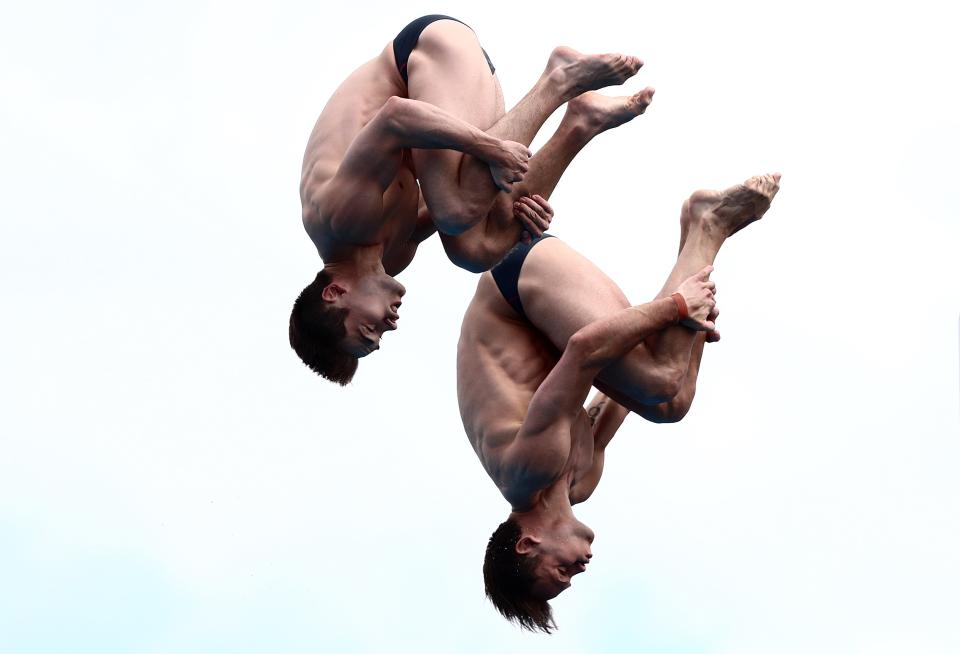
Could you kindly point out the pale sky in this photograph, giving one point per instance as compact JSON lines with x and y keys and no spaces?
{"x":173,"y":479}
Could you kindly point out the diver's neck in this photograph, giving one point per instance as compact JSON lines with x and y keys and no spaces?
{"x":551,"y":505}
{"x":357,"y":261}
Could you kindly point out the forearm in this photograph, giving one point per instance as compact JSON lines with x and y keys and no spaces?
{"x":604,"y":341}
{"x":422,"y":125}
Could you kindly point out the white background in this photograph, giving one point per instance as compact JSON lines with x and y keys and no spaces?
{"x":173,"y":479}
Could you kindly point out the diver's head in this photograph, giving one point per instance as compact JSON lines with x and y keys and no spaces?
{"x":528,"y":565}
{"x":336,"y":320}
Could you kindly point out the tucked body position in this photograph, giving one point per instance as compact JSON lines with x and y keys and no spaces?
{"x":543,"y":327}
{"x":417,"y":141}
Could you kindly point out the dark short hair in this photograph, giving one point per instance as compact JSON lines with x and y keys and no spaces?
{"x":316,"y":329}
{"x":508,"y":577}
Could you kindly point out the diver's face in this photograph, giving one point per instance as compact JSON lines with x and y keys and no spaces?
{"x":561,"y":554}
{"x":374,"y":305}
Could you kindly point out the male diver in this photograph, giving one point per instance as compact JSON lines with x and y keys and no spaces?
{"x":543,"y":327}
{"x":429,"y":109}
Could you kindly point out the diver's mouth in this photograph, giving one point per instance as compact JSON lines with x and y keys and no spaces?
{"x":391,"y":319}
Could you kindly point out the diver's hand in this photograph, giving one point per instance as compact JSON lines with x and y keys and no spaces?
{"x":535,"y":214}
{"x":508,"y":161}
{"x":698,"y":293}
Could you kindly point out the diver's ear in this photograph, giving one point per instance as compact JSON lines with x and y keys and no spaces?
{"x":332,"y":291}
{"x":527,"y":544}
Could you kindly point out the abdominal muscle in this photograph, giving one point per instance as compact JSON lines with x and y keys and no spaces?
{"x":501,"y":361}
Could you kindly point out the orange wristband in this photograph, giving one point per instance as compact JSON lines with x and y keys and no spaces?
{"x":681,"y":307}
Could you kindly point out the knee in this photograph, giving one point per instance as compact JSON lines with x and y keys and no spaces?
{"x":677,"y":408}
{"x":456,"y":218}
{"x":471,"y":256}
{"x":664,"y":383}
{"x":447,"y":37}
{"x":468,"y":262}
{"x":670,"y":412}
{"x":643,"y":381}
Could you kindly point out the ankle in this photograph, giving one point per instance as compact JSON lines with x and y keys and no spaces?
{"x":557,"y":83}
{"x":706,"y":236}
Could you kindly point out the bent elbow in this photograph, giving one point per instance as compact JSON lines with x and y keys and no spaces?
{"x":393,"y":113}
{"x":583,"y":349}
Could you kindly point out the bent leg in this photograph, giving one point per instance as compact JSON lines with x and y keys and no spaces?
{"x":707,"y":219}
{"x":674,"y":409}
{"x":562,"y":291}
{"x":448,"y":69}
{"x":586,"y":116}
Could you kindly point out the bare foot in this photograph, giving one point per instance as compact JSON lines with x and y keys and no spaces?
{"x":597,"y":113}
{"x":574,"y":72}
{"x":727,"y":212}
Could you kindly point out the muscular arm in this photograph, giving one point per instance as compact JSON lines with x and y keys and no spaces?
{"x":605,"y":416}
{"x":538,"y":454}
{"x":373,"y":159}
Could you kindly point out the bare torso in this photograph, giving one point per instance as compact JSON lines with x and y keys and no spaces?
{"x":501,"y":361}
{"x":352,"y":106}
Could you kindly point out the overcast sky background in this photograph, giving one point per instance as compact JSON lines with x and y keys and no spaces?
{"x":173,"y":479}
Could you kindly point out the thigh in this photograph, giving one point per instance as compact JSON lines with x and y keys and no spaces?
{"x":447,"y":68}
{"x":562,"y":291}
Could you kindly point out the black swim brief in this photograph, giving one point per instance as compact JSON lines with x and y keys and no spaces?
{"x":407,"y":39}
{"x":507,"y":273}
